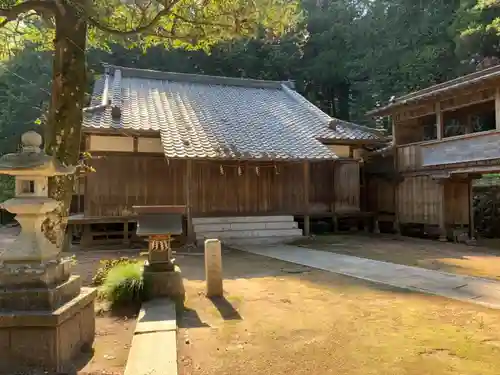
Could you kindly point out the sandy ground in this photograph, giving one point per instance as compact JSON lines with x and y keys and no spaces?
{"x":449,"y":257}
{"x":113,"y":333}
{"x":277,"y":318}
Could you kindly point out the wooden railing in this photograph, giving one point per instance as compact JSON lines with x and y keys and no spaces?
{"x":468,"y":148}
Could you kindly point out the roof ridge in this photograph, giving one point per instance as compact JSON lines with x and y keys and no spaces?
{"x":105,"y":101}
{"x":196,"y":78}
{"x":325,"y":117}
{"x":300,"y":99}
{"x":361,"y":127}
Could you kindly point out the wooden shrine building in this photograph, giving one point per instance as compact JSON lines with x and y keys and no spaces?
{"x":221,"y":147}
{"x":443,"y":137}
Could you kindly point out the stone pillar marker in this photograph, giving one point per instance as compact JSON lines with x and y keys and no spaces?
{"x":213,"y":268}
{"x":46,"y":318}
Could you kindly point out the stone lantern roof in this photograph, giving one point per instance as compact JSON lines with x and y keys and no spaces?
{"x":32,"y":160}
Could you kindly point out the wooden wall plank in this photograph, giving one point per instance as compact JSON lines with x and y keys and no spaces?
{"x":243,"y":188}
{"x":347,"y":190}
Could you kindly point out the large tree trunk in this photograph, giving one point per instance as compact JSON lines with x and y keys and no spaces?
{"x":63,"y":128}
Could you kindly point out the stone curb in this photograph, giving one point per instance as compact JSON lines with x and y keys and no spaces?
{"x":154,"y":345}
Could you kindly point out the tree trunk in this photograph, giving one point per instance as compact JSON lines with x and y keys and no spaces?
{"x":343,"y":99}
{"x":63,"y":128}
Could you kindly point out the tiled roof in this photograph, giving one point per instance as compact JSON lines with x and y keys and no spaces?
{"x":479,"y":77}
{"x":216,"y":117}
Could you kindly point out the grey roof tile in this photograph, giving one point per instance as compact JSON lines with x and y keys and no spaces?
{"x":217,"y":117}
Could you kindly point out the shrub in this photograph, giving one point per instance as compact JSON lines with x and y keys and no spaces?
{"x":124,"y":284}
{"x":106,"y":266}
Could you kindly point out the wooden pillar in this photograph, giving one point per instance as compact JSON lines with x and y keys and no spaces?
{"x":335,"y":220}
{"x":442,"y":211}
{"x":497,"y":108}
{"x":307,"y":181}
{"x":125,"y":233}
{"x":394,"y":131}
{"x":189,"y":216}
{"x":332,"y":203}
{"x":439,"y":122}
{"x":86,"y":239}
{"x":376,"y":227}
{"x":397,"y":228}
{"x":471,"y":211}
{"x":396,"y":182}
{"x":246,"y":175}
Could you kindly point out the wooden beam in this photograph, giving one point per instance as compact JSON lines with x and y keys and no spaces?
{"x":439,"y":121}
{"x":188,"y":187}
{"x":497,"y":108}
{"x":307,"y":181}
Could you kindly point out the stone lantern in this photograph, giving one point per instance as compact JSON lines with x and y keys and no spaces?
{"x":45,"y":316}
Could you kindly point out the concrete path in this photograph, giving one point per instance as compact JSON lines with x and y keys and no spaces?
{"x":154,"y":346}
{"x":465,"y":288}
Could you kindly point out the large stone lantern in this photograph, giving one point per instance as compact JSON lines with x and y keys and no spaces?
{"x":45,"y":316}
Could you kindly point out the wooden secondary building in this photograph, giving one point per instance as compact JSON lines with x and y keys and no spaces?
{"x":222,"y":147}
{"x":443,"y":137}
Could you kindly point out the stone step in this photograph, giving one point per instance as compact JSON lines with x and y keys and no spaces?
{"x":259,"y":240}
{"x":241,"y":219}
{"x":201,"y":228}
{"x":249,"y":233}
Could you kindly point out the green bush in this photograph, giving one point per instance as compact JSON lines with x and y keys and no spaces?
{"x":106,"y":266}
{"x":124,"y":284}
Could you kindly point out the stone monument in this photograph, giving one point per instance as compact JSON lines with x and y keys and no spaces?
{"x":213,"y":268}
{"x":46,"y":318}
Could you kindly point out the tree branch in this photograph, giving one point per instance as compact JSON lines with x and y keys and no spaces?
{"x":137,"y":30}
{"x":10,"y":14}
{"x":202,"y":23}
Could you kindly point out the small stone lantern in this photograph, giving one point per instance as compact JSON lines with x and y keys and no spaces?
{"x":45,"y":315}
{"x":31,"y":204}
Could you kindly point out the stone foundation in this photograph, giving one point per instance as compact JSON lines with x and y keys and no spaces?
{"x":49,"y":299}
{"x":47,"y":340}
{"x":164,"y":283}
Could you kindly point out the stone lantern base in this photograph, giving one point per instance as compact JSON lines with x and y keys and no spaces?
{"x":46,"y":318}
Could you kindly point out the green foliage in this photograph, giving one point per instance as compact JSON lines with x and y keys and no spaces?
{"x":24,"y":94}
{"x":106,"y":266}
{"x":477,"y":27}
{"x":124,"y":284}
{"x":190,"y":24}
